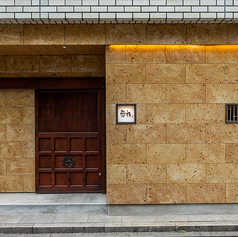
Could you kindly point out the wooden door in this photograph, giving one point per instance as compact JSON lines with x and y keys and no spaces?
{"x":69,"y":141}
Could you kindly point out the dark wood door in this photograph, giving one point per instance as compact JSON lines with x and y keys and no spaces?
{"x":69,"y":141}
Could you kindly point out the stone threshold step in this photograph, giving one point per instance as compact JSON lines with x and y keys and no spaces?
{"x":115,"y":227}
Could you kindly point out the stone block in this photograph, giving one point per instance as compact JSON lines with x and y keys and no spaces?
{"x":116,"y":54}
{"x":146,"y":173}
{"x":146,"y":133}
{"x":232,"y":153}
{"x":185,"y":54}
{"x":185,"y":93}
{"x":29,"y":149}
{"x":166,"y":34}
{"x":222,"y":54}
{"x":205,"y":153}
{"x":110,"y":114}
{"x":29,"y":183}
{"x":29,"y":115}
{"x":222,"y":133}
{"x":126,"y":194}
{"x":115,"y":93}
{"x":165,"y":73}
{"x":3,"y":132}
{"x":125,"y":73}
{"x":11,"y":150}
{"x":17,"y":166}
{"x":141,"y":110}
{"x":205,"y":113}
{"x":145,"y":93}
{"x":186,"y":173}
{"x":216,"y":93}
{"x":126,"y":154}
{"x":85,"y":34}
{"x":43,"y":34}
{"x":89,"y":63}
{"x":21,"y":132}
{"x":166,"y":193}
{"x":11,"y":115}
{"x":205,"y":73}
{"x":11,"y":34}
{"x":222,"y":173}
{"x":56,"y":63}
{"x":20,"y":98}
{"x":145,"y":54}
{"x":116,"y":134}
{"x":207,"y":34}
{"x":186,"y":133}
{"x":22,"y":64}
{"x":206,"y":193}
{"x":126,"y":34}
{"x":3,"y":167}
{"x":165,"y":113}
{"x":231,"y":193}
{"x":165,"y":153}
{"x":11,"y":183}
{"x":232,"y":33}
{"x":231,"y":73}
{"x":2,"y":97}
{"x":116,"y":174}
{"x":2,"y":64}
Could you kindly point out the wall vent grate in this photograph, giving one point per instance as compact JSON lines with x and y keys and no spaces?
{"x":231,"y":113}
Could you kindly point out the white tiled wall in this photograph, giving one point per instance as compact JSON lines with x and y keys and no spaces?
{"x":118,"y":11}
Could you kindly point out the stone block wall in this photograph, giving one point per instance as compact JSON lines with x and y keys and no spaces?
{"x":180,"y":150}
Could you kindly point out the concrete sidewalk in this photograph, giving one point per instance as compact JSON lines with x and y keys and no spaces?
{"x":87,"y":213}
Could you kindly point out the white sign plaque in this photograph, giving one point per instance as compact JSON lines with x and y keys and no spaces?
{"x":126,"y":113}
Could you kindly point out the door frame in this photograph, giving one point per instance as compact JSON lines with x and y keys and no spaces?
{"x":64,"y":83}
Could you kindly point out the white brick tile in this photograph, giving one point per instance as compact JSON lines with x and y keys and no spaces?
{"x":56,"y":15}
{"x":141,"y":2}
{"x":208,"y":15}
{"x":48,"y":9}
{"x":90,"y":15}
{"x":183,"y":9}
{"x":108,"y":16}
{"x":230,"y":15}
{"x":6,"y":15}
{"x":191,"y":2}
{"x":107,"y":2}
{"x":191,"y":15}
{"x":2,"y":9}
{"x":124,"y":2}
{"x":56,"y":2}
{"x":166,"y":9}
{"x":174,"y":2}
{"x":90,"y":2}
{"x":73,"y":2}
{"x":132,"y":9}
{"x":82,"y":9}
{"x":35,"y":2}
{"x":157,"y":2}
{"x":157,"y":16}
{"x":216,"y":9}
{"x":232,"y":9}
{"x":124,"y":15}
{"x":141,"y":15}
{"x":7,"y":2}
{"x":44,"y":2}
{"x":228,"y":2}
{"x":98,"y":9}
{"x":13,"y":9}
{"x":175,"y":15}
{"x":35,"y":15}
{"x":199,"y":9}
{"x":30,"y":9}
{"x":150,"y":9}
{"x":220,"y":15}
{"x":22,"y":2}
{"x":65,"y":9}
{"x":44,"y":15}
{"x":115,"y":9}
{"x":22,"y":15}
{"x":208,"y":2}
{"x":74,"y":15}
{"x":235,"y":2}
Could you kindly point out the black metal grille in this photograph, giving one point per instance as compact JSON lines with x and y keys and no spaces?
{"x":231,"y":113}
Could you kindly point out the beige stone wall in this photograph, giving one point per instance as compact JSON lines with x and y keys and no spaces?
{"x":180,"y":150}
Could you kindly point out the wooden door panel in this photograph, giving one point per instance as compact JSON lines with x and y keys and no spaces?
{"x":69,"y":126}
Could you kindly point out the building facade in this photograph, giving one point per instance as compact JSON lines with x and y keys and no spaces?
{"x":58,"y":57}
